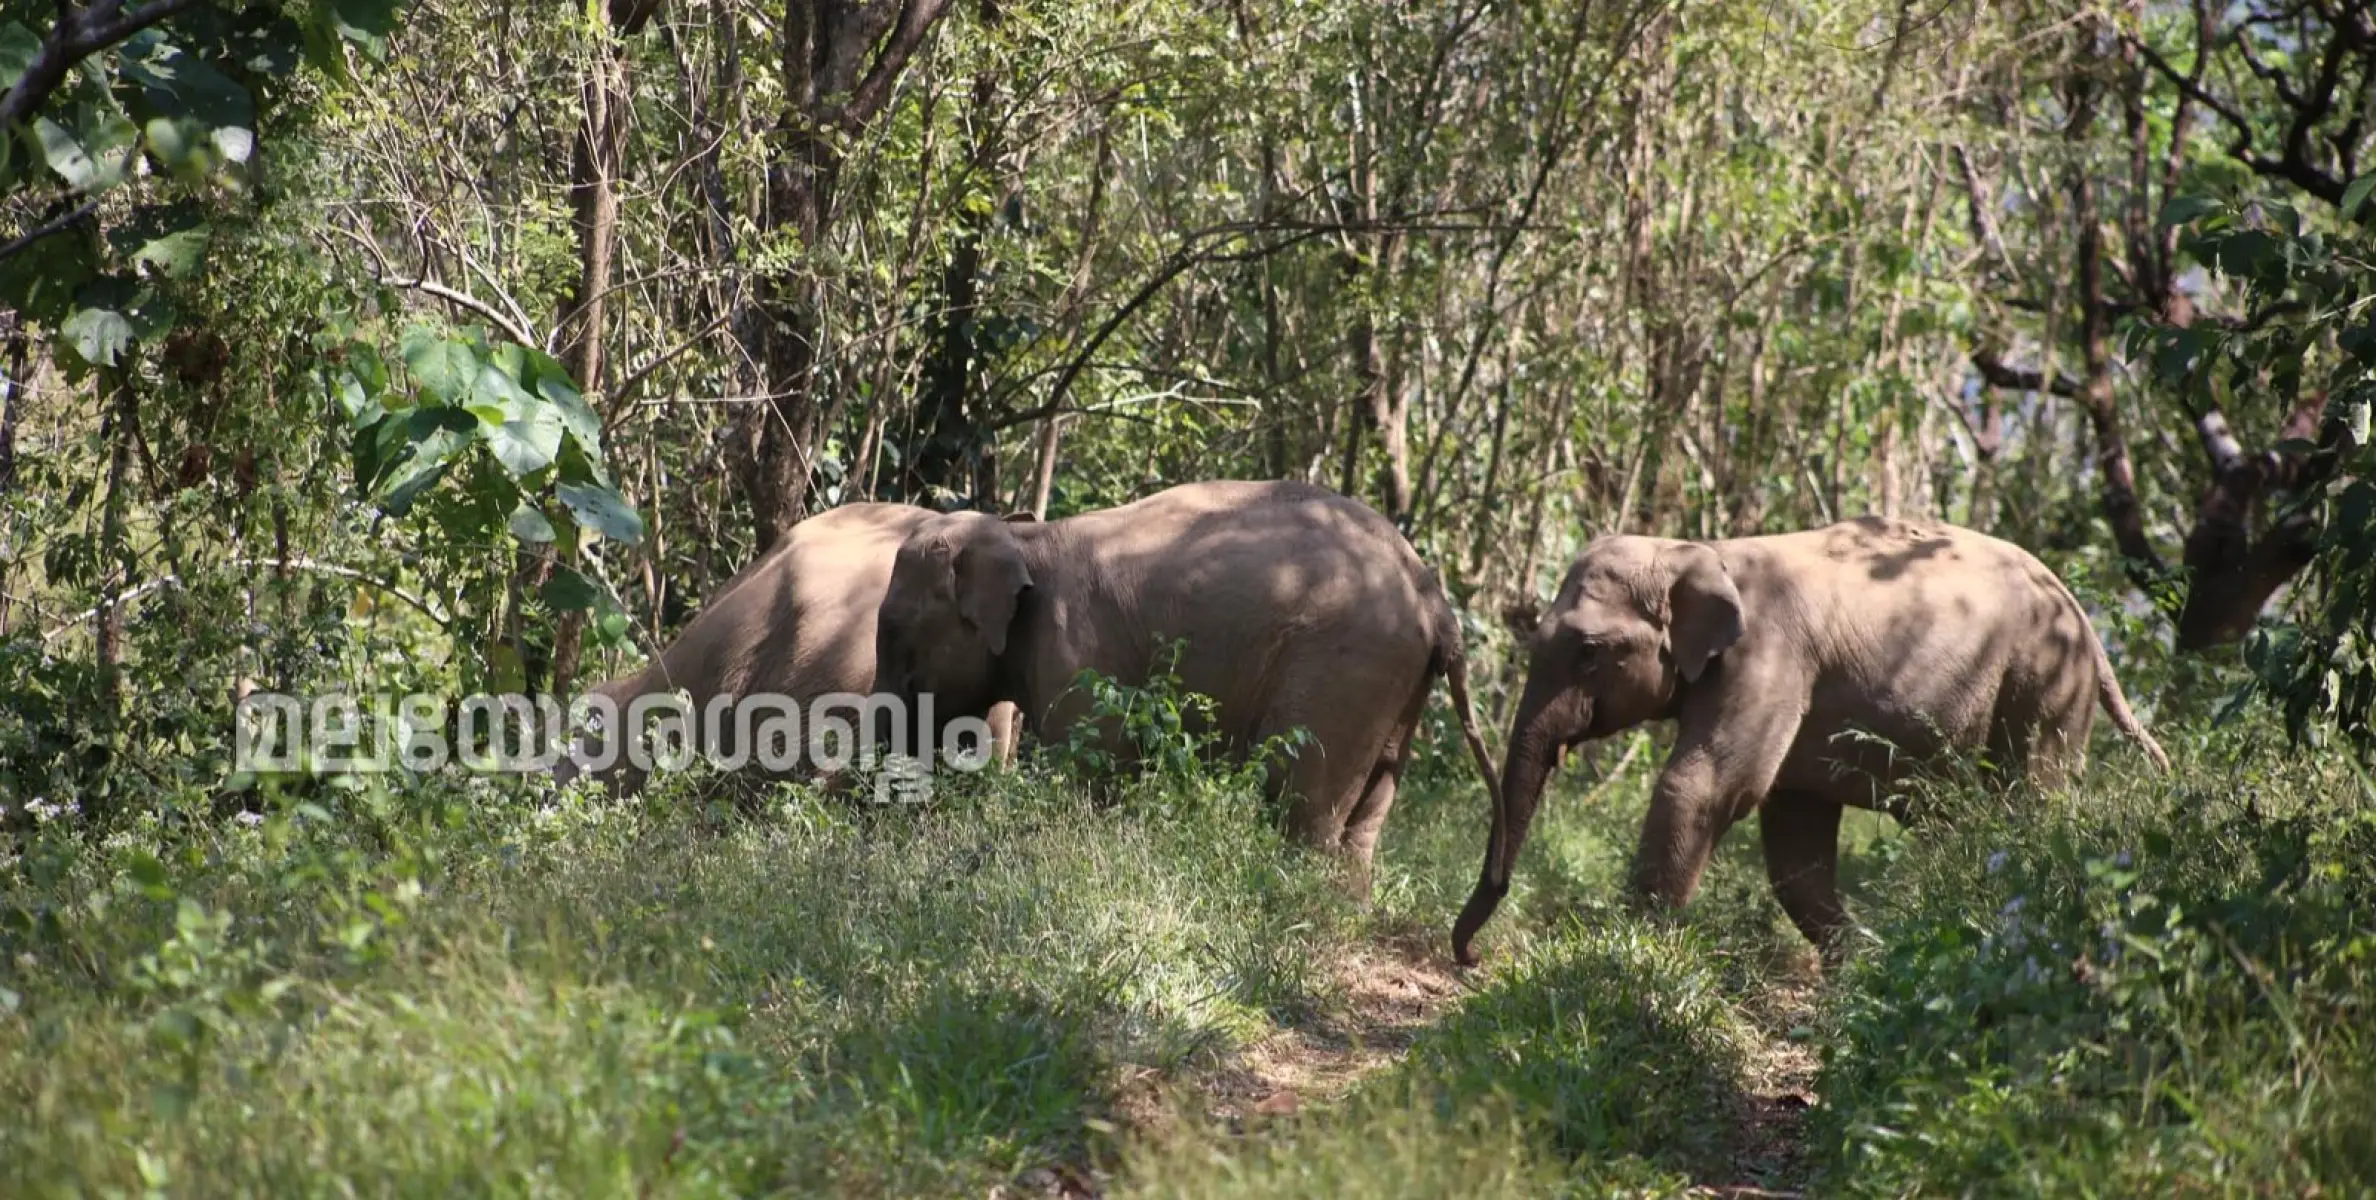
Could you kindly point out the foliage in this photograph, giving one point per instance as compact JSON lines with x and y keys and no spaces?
{"x":2149,"y":989}
{"x":2318,"y":340}
{"x":1164,"y":733}
{"x":331,"y":331}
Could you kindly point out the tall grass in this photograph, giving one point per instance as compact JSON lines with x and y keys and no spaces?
{"x":2144,"y":985}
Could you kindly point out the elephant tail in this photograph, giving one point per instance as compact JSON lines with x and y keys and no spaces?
{"x":1451,"y":655}
{"x":2108,"y":694}
{"x":2116,"y":706}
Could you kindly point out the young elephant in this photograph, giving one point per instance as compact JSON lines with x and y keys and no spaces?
{"x":1766,"y":651}
{"x":798,"y":622}
{"x":1299,"y":607}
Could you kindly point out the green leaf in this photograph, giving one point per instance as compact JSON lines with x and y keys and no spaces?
{"x":356,"y":401}
{"x":445,"y":366}
{"x":42,"y":280}
{"x":437,"y":436}
{"x":176,"y":255}
{"x":360,"y":19}
{"x":375,"y":447}
{"x":556,"y":387}
{"x":2357,"y":194}
{"x":529,"y":525}
{"x":496,"y":397}
{"x":603,"y":510}
{"x":98,"y":336}
{"x":528,"y":442}
{"x":145,"y":869}
{"x":2182,"y":209}
{"x":92,"y":158}
{"x":568,"y":591}
{"x":365,"y":24}
{"x":19,"y":46}
{"x":184,"y":94}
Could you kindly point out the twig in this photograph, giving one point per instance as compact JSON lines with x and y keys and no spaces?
{"x":58,"y":225}
{"x":295,"y":564}
{"x":459,"y":299}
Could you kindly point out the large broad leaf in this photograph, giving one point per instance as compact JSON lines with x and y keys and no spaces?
{"x":364,"y":19}
{"x":603,"y":510}
{"x":527,"y":442}
{"x":355,"y":400}
{"x":529,"y":525}
{"x":375,"y":448}
{"x":2182,"y":209}
{"x":333,"y":24}
{"x":545,"y":375}
{"x":98,"y":336}
{"x":2253,"y":255}
{"x":42,"y":280}
{"x":19,"y":46}
{"x":175,"y":255}
{"x":522,"y":430}
{"x":568,"y":591}
{"x":445,"y":366}
{"x":437,"y":436}
{"x":93,"y":155}
{"x":190,"y":105}
{"x":2357,"y":194}
{"x":495,"y":396}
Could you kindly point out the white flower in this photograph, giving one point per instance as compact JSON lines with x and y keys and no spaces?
{"x":45,"y":811}
{"x":250,"y":819}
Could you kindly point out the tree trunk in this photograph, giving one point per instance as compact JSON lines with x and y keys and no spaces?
{"x":115,"y":556}
{"x":2116,"y":472}
{"x":596,"y":153}
{"x":840,"y":64}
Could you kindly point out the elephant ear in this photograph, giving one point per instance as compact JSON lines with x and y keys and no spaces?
{"x":1703,"y":606}
{"x":990,"y":579}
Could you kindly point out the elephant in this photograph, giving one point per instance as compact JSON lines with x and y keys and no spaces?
{"x":1806,"y":672}
{"x":798,"y":622}
{"x":1300,"y":608}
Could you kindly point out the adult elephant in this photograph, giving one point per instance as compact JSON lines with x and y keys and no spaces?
{"x":1298,"y":606}
{"x":799,"y":622}
{"x":1805,"y":672}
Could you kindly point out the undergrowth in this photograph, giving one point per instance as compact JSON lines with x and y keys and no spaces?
{"x":2142,"y":985}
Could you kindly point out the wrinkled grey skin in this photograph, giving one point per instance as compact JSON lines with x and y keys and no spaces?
{"x":798,"y":622}
{"x":1300,"y":608}
{"x":1765,"y":651}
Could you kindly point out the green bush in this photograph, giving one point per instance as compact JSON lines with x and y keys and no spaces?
{"x":2145,"y":987}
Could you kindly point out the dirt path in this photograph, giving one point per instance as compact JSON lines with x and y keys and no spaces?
{"x":1777,"y":1091}
{"x":1385,"y":995}
{"x":1388,"y":994}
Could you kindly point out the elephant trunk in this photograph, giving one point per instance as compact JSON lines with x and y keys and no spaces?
{"x":1535,"y":738}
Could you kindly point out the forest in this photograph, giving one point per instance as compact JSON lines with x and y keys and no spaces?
{"x":455,"y":348}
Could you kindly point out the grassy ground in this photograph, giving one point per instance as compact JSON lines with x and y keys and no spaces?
{"x":2144,"y":987}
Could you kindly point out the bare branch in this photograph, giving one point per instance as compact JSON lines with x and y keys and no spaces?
{"x":78,"y":36}
{"x":916,"y":19}
{"x":1995,"y":372}
{"x":57,"y":225}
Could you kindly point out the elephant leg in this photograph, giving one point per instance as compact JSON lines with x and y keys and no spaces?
{"x":1006,"y":729}
{"x":1369,"y":813}
{"x":1801,"y":832}
{"x":1384,"y":777}
{"x":1712,"y":780}
{"x":1360,"y":842}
